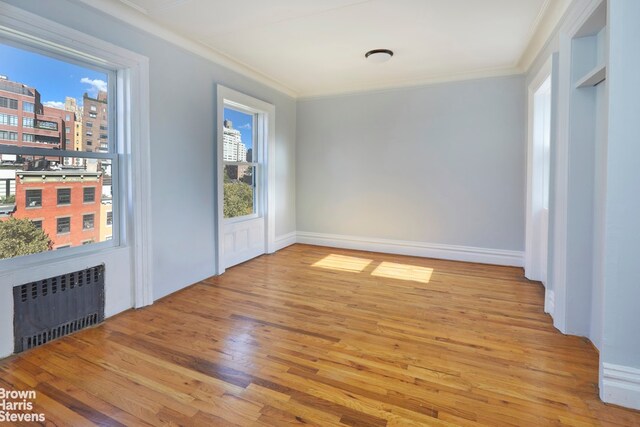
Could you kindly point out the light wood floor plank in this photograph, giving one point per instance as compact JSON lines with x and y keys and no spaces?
{"x":326,"y":337}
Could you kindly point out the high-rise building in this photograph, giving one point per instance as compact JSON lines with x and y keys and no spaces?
{"x":95,"y":132}
{"x":233,"y":148}
{"x":26,"y":122}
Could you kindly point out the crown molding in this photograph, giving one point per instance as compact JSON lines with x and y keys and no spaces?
{"x":412,"y":83}
{"x":124,"y":11}
{"x":551,"y":16}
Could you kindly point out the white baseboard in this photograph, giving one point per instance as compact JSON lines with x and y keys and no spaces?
{"x":620,"y":385}
{"x":427,"y":250}
{"x":549,"y":302}
{"x":285,"y":240}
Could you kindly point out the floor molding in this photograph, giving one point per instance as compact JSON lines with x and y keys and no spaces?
{"x":285,"y":240}
{"x":402,"y":247}
{"x":621,"y":385}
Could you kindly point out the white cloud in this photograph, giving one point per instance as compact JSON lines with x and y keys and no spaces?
{"x":245,"y":126}
{"x":96,"y":85}
{"x":54,"y":104}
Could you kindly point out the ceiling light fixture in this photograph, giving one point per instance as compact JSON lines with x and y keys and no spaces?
{"x":379,"y":55}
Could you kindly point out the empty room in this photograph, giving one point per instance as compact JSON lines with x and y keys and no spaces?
{"x":319,"y":212}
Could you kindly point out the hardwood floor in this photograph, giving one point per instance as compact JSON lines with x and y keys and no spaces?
{"x":325,"y":337}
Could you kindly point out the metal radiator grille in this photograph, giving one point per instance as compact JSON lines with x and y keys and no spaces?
{"x":54,"y":307}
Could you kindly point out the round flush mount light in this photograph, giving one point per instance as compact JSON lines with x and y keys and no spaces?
{"x":379,"y":55}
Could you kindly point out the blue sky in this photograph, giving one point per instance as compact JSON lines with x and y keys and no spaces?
{"x":243,"y":122}
{"x":52,"y":78}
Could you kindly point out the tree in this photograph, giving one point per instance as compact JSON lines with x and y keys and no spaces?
{"x":22,"y":237}
{"x":238,"y":199}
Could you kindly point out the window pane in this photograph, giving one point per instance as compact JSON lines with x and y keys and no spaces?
{"x":53,"y":202}
{"x":239,"y":190}
{"x":53,"y":99}
{"x":238,"y":137}
{"x":64,"y":196}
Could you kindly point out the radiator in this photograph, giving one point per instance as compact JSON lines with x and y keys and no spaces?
{"x":51,"y":308}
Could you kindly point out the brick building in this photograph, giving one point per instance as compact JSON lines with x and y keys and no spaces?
{"x":66,"y":204}
{"x":26,"y":122}
{"x":95,"y":123}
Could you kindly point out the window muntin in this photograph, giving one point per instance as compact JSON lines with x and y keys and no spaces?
{"x":27,"y":122}
{"x":28,"y":137}
{"x":88,"y":221}
{"x":8,"y":103}
{"x":8,"y":135}
{"x":110,"y":218}
{"x":28,"y":107}
{"x":63,"y":225}
{"x":89,"y":195}
{"x":64,"y":196}
{"x":33,"y":198}
{"x":8,"y":119}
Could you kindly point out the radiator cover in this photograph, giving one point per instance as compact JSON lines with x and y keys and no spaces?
{"x":51,"y":308}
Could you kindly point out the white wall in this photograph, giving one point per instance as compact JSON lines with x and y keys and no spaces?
{"x":183,"y":123}
{"x":440,"y":164}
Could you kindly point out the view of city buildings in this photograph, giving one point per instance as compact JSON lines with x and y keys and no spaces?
{"x":233,"y":148}
{"x":69,"y":198}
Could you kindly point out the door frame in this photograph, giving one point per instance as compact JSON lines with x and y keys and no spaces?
{"x":533,"y":242}
{"x":267,"y":132}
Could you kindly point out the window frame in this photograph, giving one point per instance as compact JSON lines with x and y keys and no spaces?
{"x":58,"y":196}
{"x":131,"y":136}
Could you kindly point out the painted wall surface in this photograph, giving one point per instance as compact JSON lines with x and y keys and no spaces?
{"x":621,"y":344}
{"x":183,"y":123}
{"x":439,"y":164}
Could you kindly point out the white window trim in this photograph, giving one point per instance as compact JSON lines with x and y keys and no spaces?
{"x":132,"y":134}
{"x":247,"y":103}
{"x":534,"y":190}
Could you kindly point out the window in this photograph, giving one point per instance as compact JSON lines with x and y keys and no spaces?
{"x":109,"y":218}
{"x":37,"y":223}
{"x":8,"y":136}
{"x":64,"y":196}
{"x":88,"y":124}
{"x":93,"y":115}
{"x":86,"y":242}
{"x":46,"y":124}
{"x":33,"y":198}
{"x":63,"y":225}
{"x":89,"y":133}
{"x":93,"y":108}
{"x":87,"y":221}
{"x":8,"y":103}
{"x":63,"y":247}
{"x":240,"y":163}
{"x":89,"y":195}
{"x":41,"y":175}
{"x":8,"y":119}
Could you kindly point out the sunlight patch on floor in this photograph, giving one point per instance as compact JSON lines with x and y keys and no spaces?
{"x":392,"y":270}
{"x":343,"y":263}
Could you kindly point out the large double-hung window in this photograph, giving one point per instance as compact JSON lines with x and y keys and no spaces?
{"x":58,"y":192}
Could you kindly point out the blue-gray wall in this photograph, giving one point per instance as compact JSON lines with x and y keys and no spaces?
{"x":183,"y":120}
{"x":442,"y":164}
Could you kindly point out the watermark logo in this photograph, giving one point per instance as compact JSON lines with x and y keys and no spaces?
{"x":17,"y":406}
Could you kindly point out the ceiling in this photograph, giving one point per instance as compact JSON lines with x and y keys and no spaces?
{"x":317,"y":47}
